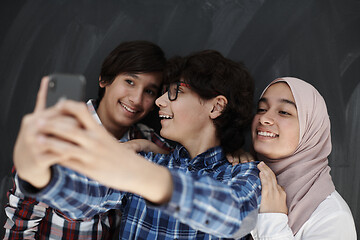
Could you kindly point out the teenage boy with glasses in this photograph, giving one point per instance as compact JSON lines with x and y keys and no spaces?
{"x":192,"y":193}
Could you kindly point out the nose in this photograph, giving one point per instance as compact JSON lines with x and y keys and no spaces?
{"x":136,"y":97}
{"x":162,"y":100}
{"x":266,"y":119}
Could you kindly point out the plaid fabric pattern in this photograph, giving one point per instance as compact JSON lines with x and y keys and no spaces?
{"x":211,"y":199}
{"x":30,"y":219}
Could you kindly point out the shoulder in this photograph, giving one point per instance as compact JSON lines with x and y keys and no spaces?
{"x":334,"y":204}
{"x":248,"y":169}
{"x":244,"y":175}
{"x":331,"y":218}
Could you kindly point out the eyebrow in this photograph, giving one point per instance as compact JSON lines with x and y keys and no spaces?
{"x":132,"y":75}
{"x":282,"y":100}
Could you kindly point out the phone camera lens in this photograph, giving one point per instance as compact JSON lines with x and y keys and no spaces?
{"x":52,"y":84}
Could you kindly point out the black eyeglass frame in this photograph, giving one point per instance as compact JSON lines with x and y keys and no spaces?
{"x":178,"y":84}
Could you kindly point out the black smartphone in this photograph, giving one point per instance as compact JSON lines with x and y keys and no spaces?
{"x":65,"y":86}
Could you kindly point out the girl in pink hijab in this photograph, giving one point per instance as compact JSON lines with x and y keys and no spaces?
{"x":291,"y":135}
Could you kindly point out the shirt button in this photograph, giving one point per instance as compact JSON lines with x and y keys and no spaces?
{"x":207,"y":222}
{"x":177,"y":209}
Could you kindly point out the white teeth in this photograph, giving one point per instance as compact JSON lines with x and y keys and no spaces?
{"x":127,"y":108}
{"x":266,"y":134}
{"x":165,"y":116}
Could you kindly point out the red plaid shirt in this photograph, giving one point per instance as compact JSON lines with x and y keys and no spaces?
{"x":30,"y":219}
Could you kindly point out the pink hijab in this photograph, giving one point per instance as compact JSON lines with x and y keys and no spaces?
{"x":305,"y":175}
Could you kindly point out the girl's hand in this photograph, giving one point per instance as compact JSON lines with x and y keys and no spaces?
{"x":240,"y":156}
{"x":273,"y":196}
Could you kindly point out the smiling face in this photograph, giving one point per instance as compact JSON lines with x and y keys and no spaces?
{"x":186,"y":119}
{"x":128,"y":99}
{"x":275,"y":127}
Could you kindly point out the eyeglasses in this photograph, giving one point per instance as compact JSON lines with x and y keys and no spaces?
{"x":173,"y":88}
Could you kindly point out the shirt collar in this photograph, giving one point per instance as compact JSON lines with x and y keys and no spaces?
{"x":210,"y":157}
{"x":92,"y":107}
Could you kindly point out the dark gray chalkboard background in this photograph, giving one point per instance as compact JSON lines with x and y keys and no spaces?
{"x":316,"y":40}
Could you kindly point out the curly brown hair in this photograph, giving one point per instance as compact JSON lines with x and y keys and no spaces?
{"x":210,"y":74}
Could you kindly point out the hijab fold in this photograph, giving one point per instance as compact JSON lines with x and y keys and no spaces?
{"x":305,"y":175}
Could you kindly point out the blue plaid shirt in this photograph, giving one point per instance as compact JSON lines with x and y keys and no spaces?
{"x":211,"y":198}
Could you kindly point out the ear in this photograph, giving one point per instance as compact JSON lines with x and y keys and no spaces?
{"x":102,"y":84}
{"x":218,"y":105}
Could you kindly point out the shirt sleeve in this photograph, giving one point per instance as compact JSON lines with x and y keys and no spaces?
{"x":222,"y":209}
{"x":272,"y":226}
{"x":24,"y":215}
{"x":77,"y":196}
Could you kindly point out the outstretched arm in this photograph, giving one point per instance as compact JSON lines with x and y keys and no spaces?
{"x":78,"y":142}
{"x":36,"y":150}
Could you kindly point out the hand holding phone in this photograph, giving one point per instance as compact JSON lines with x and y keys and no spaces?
{"x":65,"y":86}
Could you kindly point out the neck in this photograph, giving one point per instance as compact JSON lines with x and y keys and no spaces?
{"x":203,"y":142}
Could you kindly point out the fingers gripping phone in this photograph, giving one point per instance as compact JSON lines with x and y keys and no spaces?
{"x":65,"y":86}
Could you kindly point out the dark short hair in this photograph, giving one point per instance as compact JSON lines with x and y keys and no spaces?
{"x":210,"y":74}
{"x":131,"y":57}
